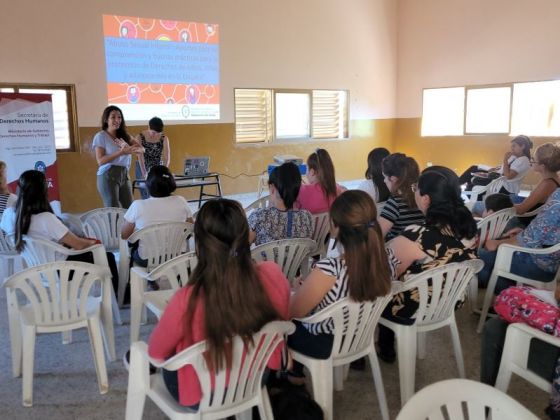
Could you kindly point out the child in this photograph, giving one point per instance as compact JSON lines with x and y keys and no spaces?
{"x":496,"y":202}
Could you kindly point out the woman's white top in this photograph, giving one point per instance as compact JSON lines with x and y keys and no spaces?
{"x":369,"y":187}
{"x":521,"y":165}
{"x":43,"y":225}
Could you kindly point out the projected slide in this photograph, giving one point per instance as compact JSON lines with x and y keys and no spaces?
{"x":162,"y":68}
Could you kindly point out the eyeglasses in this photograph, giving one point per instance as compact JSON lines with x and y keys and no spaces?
{"x":414,"y":187}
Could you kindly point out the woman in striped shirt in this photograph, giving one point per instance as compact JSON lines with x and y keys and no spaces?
{"x":362,"y":272}
{"x":400,"y":210}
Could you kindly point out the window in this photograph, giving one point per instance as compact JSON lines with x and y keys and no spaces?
{"x":64,"y":110}
{"x":443,"y":112}
{"x":488,"y":110}
{"x":266,"y":115}
{"x":536,"y":108}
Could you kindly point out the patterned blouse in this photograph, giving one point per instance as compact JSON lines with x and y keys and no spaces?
{"x":440,"y":247}
{"x":153,"y":152}
{"x":271,"y":224}
{"x":543,"y":232}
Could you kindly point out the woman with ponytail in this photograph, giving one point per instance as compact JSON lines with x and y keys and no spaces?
{"x":400,"y":172}
{"x":227,"y":295}
{"x":448,"y":235}
{"x":319,"y":194}
{"x":362,"y":272}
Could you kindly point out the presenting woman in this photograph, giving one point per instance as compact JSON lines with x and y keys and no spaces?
{"x":113,"y":149}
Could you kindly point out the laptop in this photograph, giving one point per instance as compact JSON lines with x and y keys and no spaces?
{"x":196,"y":166}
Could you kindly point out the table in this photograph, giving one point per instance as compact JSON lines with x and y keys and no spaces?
{"x":199,"y":181}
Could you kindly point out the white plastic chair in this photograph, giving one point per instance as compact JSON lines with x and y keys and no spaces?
{"x":354,"y":325}
{"x":176,"y":271}
{"x":439,"y":290}
{"x":321,"y":228}
{"x":289,"y":254}
{"x":491,"y":227}
{"x":462,"y":399}
{"x":243,"y":391}
{"x":515,"y":356}
{"x":74,"y":223}
{"x":105,"y":224}
{"x":55,"y":297}
{"x":493,"y":187}
{"x":41,"y":251}
{"x":260,"y":203}
{"x":10,"y":260}
{"x":532,"y":212}
{"x":501,"y":269}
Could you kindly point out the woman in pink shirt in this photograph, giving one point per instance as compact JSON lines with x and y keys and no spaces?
{"x":319,"y":194}
{"x":227,"y":295}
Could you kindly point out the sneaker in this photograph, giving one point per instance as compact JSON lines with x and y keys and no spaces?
{"x":126,"y":362}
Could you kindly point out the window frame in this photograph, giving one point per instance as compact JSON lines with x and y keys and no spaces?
{"x":274,"y":140}
{"x":71,"y":107}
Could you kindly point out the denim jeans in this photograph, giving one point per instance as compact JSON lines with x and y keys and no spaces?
{"x":138,"y":173}
{"x":521,"y":264}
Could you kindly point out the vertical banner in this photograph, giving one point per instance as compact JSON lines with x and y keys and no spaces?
{"x":27,"y":139}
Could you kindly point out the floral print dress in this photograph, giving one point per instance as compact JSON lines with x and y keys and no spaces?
{"x":441,"y":247}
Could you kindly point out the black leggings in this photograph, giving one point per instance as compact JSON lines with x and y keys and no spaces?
{"x":318,"y":346}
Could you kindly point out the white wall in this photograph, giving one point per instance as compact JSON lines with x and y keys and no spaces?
{"x":457,"y":42}
{"x":264,"y":43}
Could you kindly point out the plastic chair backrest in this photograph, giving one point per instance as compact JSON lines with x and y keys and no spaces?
{"x":493,"y":225}
{"x":162,"y":241}
{"x":289,"y":254}
{"x":247,"y":366}
{"x":492,"y":188}
{"x":451,"y":398}
{"x":74,"y":223}
{"x":38,"y":251}
{"x":104,"y":224}
{"x":5,"y":246}
{"x":439,"y":290}
{"x":177,"y":270}
{"x":260,"y":203}
{"x":57,"y":293}
{"x":321,"y":228}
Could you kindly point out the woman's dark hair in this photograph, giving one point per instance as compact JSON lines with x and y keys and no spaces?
{"x":525,"y":142}
{"x":406,"y":170}
{"x":320,"y":161}
{"x":287,"y":181}
{"x":156,"y":124}
{"x":122,"y":132}
{"x":355,"y":215}
{"x":32,"y":199}
{"x":374,"y":172}
{"x":225,"y":277}
{"x":160,"y":181}
{"x":446,"y":209}
{"x":497,"y":202}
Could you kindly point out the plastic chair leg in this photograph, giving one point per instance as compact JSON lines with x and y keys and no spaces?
{"x":421,"y":343}
{"x":138,"y":383}
{"x":473,"y":294}
{"x":406,"y":353}
{"x":379,"y":388}
{"x":136,"y":305}
{"x":322,"y":379}
{"x":94,"y":330}
{"x":28,"y":364}
{"x":457,"y":348}
{"x":265,"y":408}
{"x":487,"y":301}
{"x":338,"y":378}
{"x":245,"y":415}
{"x":15,"y":336}
{"x":124,"y":273}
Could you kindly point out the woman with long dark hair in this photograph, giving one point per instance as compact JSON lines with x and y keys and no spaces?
{"x":113,"y":149}
{"x":374,"y":183}
{"x":400,"y":172}
{"x":362,"y":272}
{"x":447,"y":235}
{"x":281,"y":220}
{"x":322,"y":190}
{"x":227,"y":295}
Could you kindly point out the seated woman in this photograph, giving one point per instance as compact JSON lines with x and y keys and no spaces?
{"x":400,"y":210}
{"x":7,"y":199}
{"x":33,"y":216}
{"x":546,"y":163}
{"x":225,"y":278}
{"x":374,"y":183}
{"x":514,"y":167}
{"x":448,"y":235}
{"x":542,"y":232}
{"x":281,"y":221}
{"x":319,"y":194}
{"x":362,"y":272}
{"x":161,"y":207}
